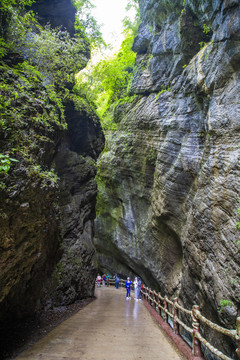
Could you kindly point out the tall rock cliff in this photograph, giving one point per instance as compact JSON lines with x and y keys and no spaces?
{"x":169,"y":181}
{"x":48,"y":196}
{"x":75,"y":160}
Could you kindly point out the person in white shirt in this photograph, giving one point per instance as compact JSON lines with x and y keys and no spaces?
{"x":135,"y":283}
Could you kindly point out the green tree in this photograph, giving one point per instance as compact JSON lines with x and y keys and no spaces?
{"x":86,"y":25}
{"x":106,"y":82}
{"x":127,"y":22}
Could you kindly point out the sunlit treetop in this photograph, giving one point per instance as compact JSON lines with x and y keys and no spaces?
{"x":108,"y":81}
{"x":86,"y":24}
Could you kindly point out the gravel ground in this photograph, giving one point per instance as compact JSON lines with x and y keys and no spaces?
{"x":17,"y":337}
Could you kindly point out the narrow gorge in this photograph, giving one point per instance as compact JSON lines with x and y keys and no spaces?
{"x":157,"y":195}
{"x":169,"y":176}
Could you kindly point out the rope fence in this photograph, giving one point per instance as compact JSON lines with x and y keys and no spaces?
{"x":171,"y":311}
{"x":162,"y":306}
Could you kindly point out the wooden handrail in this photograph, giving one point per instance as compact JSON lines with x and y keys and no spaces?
{"x":161,"y":304}
{"x":197,"y":319}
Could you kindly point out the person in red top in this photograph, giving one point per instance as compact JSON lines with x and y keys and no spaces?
{"x":103,"y":280}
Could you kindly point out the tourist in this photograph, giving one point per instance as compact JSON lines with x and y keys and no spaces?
{"x":139,"y":295}
{"x":99,"y":280}
{"x":103,"y":279}
{"x":108,"y":280}
{"x":128,"y":287}
{"x":135,"y":283}
{"x":117,"y":281}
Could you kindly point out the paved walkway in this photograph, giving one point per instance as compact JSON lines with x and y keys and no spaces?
{"x":109,"y":328}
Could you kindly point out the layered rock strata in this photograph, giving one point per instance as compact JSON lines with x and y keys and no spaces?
{"x":58,"y":13}
{"x":48,"y":197}
{"x":169,"y":184}
{"x":75,"y":274}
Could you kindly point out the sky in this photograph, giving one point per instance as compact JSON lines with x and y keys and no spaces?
{"x":110,"y":14}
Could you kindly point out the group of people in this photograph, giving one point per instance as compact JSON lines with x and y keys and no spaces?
{"x":105,"y":279}
{"x":137,"y":288}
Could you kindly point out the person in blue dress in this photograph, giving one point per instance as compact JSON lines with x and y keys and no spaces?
{"x":139,"y":285}
{"x":128,"y":287}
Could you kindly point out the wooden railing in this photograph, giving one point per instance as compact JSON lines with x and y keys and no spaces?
{"x":171,"y":309}
{"x":167,"y":308}
{"x":112,"y":282}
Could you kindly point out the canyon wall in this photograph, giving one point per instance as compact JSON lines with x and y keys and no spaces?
{"x":169,"y":176}
{"x":48,"y":196}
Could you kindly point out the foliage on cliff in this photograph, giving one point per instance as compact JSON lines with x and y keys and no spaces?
{"x":37,"y":66}
{"x":30,"y":114}
{"x":5,"y":4}
{"x":106,"y":82}
{"x":86,"y":24}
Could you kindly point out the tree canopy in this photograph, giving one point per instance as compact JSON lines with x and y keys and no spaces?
{"x":108,"y":81}
{"x":86,"y":24}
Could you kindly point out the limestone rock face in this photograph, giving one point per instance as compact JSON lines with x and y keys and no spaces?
{"x":58,"y":13}
{"x":47,"y":200}
{"x":169,"y":184}
{"x":28,"y":198}
{"x":75,"y":274}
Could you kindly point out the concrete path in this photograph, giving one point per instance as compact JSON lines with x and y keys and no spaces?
{"x":109,"y":328}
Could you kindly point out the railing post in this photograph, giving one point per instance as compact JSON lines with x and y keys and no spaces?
{"x":159,"y":309}
{"x":155,"y":300}
{"x":196,"y":329}
{"x":165,"y":309}
{"x":144,"y":289}
{"x":175,"y":314}
{"x":238,"y":336}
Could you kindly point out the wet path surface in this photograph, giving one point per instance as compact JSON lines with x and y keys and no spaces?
{"x":110,"y":328}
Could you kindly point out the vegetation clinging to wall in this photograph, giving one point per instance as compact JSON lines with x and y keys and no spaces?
{"x":106,"y":82}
